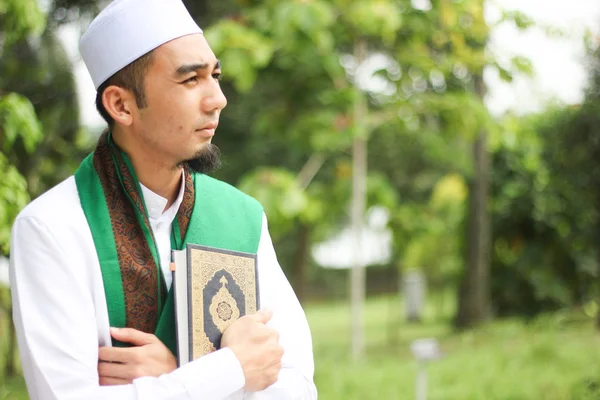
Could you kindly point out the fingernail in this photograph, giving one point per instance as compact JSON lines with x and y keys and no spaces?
{"x":114,"y":330}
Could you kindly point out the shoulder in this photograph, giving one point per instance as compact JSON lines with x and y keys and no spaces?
{"x":56,"y":206}
{"x":225,"y":191}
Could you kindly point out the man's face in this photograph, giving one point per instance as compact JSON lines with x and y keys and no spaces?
{"x":183,"y":99}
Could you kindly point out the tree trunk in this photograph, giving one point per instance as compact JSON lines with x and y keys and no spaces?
{"x":359,"y":197}
{"x":598,"y":260}
{"x":474,"y":293}
{"x":301,"y":262}
{"x":595,"y":99}
{"x":441,"y":290}
{"x":598,"y":316}
{"x":10,"y":369}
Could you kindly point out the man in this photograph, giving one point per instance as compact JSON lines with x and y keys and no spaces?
{"x":90,"y":258}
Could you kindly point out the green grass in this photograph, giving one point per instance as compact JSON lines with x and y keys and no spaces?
{"x":10,"y":388}
{"x":13,"y":389}
{"x":555,"y":357}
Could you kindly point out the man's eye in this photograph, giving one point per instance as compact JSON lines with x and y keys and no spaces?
{"x":191,"y":80}
{"x":217,"y":76}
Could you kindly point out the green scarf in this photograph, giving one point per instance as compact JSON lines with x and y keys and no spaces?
{"x":212,"y":213}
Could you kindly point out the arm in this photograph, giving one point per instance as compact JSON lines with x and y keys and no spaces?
{"x":55,"y":320}
{"x":296,"y":375}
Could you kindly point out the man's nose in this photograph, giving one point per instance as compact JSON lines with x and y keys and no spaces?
{"x":214,"y":100}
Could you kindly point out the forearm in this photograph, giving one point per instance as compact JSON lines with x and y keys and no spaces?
{"x":214,"y":376}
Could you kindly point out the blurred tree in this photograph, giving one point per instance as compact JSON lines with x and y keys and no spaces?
{"x":41,"y":71}
{"x":546,"y":208}
{"x":18,"y":123}
{"x":474,"y":292}
{"x":439,"y":81}
{"x":572,"y":156}
{"x":434,"y":247}
{"x":590,"y":135}
{"x":534,"y":267}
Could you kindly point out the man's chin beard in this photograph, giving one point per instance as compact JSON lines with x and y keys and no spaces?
{"x":205,"y":161}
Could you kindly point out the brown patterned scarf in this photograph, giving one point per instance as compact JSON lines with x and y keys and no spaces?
{"x":143,"y":283}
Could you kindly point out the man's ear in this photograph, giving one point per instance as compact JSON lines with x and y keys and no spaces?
{"x":120,"y":104}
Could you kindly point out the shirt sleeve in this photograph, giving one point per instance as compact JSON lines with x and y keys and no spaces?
{"x":57,"y":332}
{"x":296,"y":377}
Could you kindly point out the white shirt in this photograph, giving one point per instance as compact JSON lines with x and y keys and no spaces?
{"x":161,"y":223}
{"x":61,"y":316}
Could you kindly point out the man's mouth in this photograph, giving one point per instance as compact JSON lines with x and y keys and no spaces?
{"x":208,"y":130}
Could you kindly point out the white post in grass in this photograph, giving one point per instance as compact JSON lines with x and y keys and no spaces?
{"x":424,"y":350}
{"x":421,"y":387}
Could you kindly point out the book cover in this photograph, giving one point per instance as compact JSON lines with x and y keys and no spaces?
{"x":213,"y":288}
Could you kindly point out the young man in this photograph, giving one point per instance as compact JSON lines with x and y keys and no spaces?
{"x":90,"y":258}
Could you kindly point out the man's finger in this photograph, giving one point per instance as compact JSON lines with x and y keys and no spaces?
{"x":117,"y":370}
{"x":115,"y":354}
{"x":263,"y":316}
{"x":108,"y":381}
{"x":133,"y":336}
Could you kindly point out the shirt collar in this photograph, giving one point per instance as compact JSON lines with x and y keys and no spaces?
{"x":155,"y":204}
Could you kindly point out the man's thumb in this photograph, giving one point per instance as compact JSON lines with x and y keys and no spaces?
{"x":133,"y":336}
{"x":263,"y":316}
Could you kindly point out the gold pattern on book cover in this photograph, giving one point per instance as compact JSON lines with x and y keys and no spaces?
{"x":223,"y":309}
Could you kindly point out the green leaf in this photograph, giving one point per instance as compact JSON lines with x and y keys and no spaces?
{"x":278,"y":191}
{"x":520,"y":19}
{"x":18,"y":120}
{"x":377,"y":18}
{"x":242,"y":50}
{"x":21,"y":18}
{"x":522,"y":65}
{"x":13,"y":197}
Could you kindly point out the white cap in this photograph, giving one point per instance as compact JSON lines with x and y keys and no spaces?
{"x":127,"y":29}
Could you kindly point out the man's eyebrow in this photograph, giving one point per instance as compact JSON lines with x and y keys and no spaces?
{"x":187,"y":68}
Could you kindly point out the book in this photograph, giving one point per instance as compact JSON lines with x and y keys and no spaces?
{"x":213,"y":288}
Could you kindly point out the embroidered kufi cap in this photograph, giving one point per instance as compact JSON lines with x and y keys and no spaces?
{"x":127,"y":29}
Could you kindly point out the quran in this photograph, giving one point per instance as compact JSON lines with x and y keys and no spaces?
{"x":213,"y":288}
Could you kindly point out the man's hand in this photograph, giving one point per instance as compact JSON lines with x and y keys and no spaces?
{"x":257,"y":348}
{"x":149,"y":357}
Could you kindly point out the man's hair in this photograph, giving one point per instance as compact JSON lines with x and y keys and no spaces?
{"x":130,"y":77}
